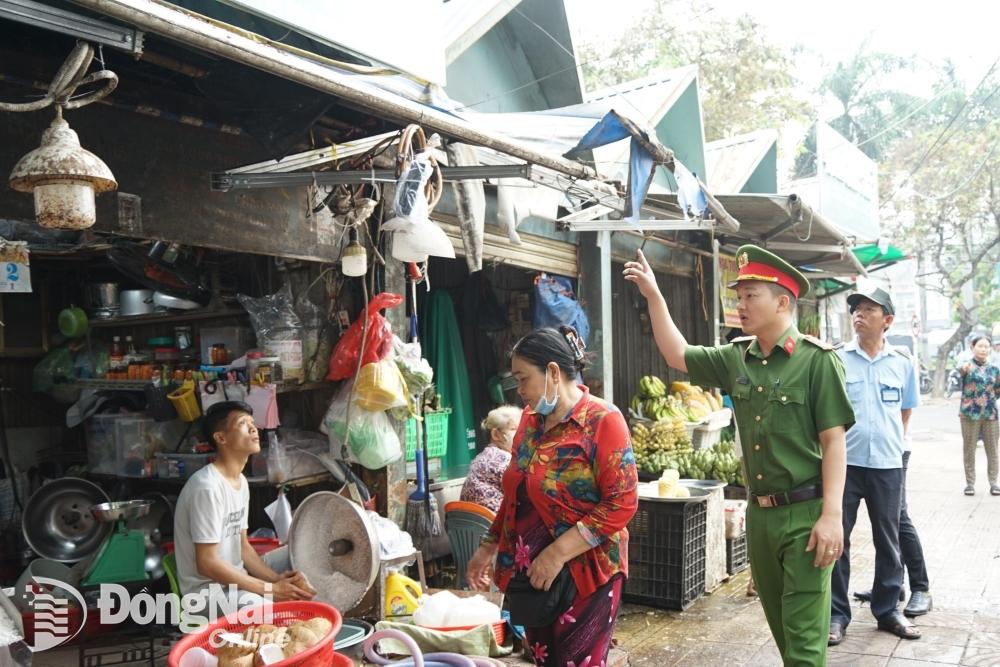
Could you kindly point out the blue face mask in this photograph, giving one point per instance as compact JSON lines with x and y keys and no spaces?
{"x":545,"y":407}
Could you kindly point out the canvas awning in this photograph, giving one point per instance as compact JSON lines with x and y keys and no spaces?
{"x":873,"y":257}
{"x":787,"y":226}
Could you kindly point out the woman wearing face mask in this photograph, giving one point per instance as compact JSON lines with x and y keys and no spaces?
{"x":559,"y":538}
{"x":978,"y":412}
{"x":483,"y":484}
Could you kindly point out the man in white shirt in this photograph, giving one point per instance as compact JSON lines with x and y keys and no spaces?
{"x":210,"y":523}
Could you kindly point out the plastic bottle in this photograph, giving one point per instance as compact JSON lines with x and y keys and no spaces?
{"x":129,"y":346}
{"x":116,"y":347}
{"x":401,"y":595}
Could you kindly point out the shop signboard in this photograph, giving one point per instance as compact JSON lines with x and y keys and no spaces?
{"x":728,"y":270}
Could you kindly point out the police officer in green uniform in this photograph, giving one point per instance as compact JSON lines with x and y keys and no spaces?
{"x":792,"y":412}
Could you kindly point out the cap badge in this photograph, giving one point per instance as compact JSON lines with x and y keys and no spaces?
{"x":742,"y":260}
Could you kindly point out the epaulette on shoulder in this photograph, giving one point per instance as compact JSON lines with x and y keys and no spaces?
{"x":744,"y":339}
{"x":822,"y":344}
{"x":902,"y":351}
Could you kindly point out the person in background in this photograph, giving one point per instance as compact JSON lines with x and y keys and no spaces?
{"x":211,"y":521}
{"x":483,"y":483}
{"x":978,"y":413}
{"x":792,"y":413}
{"x":569,"y":493}
{"x":882,"y":386}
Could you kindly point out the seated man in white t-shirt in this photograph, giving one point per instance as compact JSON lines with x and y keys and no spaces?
{"x":210,"y":522}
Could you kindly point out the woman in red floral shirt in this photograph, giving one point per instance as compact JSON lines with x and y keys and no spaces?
{"x":568,"y":494}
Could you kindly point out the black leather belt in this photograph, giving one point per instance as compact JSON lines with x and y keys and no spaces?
{"x":789,"y":497}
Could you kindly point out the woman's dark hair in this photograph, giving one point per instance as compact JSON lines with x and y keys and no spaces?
{"x":976,"y":339}
{"x":544,"y":346}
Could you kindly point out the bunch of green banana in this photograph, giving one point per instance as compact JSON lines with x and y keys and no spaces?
{"x":651,"y":386}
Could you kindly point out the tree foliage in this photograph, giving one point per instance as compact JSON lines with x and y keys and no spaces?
{"x":941,"y":200}
{"x":745,"y":80}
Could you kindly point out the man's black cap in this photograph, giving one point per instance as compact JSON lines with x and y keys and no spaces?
{"x":876,"y":294}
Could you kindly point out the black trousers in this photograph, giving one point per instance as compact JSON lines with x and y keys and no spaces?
{"x":911,"y":550}
{"x":882,"y":491}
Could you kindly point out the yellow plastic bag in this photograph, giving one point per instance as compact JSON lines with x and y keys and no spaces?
{"x":380,"y":386}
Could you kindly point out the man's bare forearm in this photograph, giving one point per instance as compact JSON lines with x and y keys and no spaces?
{"x":834,"y":470}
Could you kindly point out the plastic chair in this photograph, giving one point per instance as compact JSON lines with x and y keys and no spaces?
{"x":170,"y":567}
{"x":465,"y":524}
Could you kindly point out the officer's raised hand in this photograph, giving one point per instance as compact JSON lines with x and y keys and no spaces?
{"x":638,"y":272}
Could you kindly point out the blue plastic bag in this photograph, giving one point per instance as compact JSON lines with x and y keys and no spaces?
{"x":555,"y":305}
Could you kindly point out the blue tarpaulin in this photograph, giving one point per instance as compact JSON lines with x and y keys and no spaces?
{"x":641,"y":163}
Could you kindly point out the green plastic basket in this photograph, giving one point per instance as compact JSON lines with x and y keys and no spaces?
{"x":436,"y":426}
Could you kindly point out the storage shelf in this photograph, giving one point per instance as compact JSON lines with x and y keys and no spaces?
{"x":156,"y":318}
{"x":121,"y":385}
{"x":139,"y":385}
{"x":307,"y":386}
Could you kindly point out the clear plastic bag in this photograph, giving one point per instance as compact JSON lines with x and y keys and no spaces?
{"x":410,"y":200}
{"x":271,"y":311}
{"x":56,"y":367}
{"x":277,"y":460}
{"x":380,"y":386}
{"x":370,"y":436}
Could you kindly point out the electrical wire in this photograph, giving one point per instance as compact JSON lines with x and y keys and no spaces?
{"x":966,"y":182}
{"x":940,"y":140}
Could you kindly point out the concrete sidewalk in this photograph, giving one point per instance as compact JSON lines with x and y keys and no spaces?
{"x":961,"y":538}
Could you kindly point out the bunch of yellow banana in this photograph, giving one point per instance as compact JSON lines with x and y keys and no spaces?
{"x":697,"y":402}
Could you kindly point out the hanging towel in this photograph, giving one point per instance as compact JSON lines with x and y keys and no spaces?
{"x":443,"y":348}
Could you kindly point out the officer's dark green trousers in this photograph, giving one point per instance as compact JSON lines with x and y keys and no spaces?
{"x":794,"y":593}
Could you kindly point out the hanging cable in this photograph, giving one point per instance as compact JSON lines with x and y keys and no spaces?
{"x":71,"y":76}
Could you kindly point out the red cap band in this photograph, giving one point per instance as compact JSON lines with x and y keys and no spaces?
{"x":768,"y":274}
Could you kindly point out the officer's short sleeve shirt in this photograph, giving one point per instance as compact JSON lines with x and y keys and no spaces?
{"x":782,"y":400}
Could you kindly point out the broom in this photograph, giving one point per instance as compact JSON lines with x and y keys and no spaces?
{"x":422,"y":519}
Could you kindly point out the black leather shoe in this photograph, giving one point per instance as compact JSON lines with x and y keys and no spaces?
{"x":920,"y":603}
{"x":866,"y":596}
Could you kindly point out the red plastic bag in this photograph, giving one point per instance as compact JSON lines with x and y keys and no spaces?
{"x":344,"y":359}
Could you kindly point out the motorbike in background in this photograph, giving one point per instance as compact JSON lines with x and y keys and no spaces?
{"x":954,"y":383}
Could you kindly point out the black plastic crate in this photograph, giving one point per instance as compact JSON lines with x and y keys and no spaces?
{"x":736,"y":554}
{"x":666,"y":553}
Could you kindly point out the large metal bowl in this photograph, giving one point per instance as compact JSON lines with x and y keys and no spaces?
{"x":126,"y":509}
{"x":58,"y":524}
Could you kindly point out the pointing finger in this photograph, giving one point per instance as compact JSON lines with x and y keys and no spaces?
{"x":642,"y":260}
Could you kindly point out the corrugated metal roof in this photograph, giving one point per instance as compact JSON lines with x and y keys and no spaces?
{"x":789,"y":227}
{"x":731,"y":162}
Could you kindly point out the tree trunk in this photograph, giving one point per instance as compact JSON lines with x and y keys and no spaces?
{"x":941,"y":363}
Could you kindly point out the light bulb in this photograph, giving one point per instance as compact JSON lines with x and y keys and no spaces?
{"x":354,"y":261}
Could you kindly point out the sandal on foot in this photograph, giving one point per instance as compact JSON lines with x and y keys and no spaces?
{"x":897,"y":624}
{"x":837,"y":632}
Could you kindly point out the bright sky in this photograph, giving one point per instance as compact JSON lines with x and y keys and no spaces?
{"x":963,"y":30}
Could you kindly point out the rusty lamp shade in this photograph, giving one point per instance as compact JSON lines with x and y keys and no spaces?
{"x":64,"y":178}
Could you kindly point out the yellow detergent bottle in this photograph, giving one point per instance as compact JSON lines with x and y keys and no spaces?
{"x":401,"y":594}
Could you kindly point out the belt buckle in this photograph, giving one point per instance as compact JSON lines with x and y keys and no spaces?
{"x":766,"y":501}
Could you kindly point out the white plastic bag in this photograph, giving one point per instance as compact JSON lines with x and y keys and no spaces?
{"x":280,"y":513}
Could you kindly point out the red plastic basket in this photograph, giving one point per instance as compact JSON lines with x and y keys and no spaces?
{"x":283,"y":614}
{"x":499,"y":630}
{"x":341,"y":660}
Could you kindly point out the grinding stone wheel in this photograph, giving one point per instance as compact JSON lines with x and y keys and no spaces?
{"x":334,"y":544}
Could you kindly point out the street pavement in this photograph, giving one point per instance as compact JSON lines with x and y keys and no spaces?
{"x":961,"y":539}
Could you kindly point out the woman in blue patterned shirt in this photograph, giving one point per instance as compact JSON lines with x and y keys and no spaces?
{"x":978,"y":412}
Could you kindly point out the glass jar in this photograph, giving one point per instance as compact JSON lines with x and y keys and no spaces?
{"x":220,"y":356}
